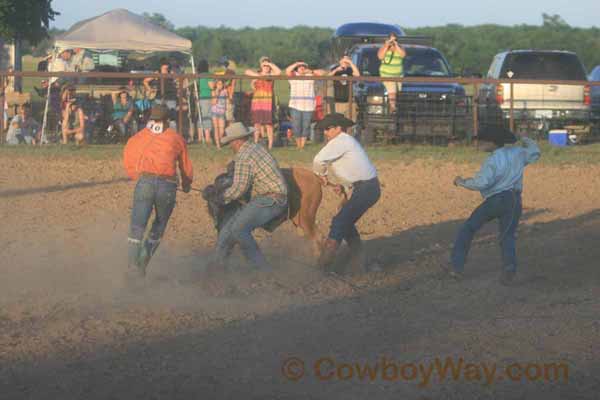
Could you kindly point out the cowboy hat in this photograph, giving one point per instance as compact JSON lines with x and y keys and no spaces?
{"x":159,"y":113}
{"x":334,"y":119}
{"x":236,"y":131}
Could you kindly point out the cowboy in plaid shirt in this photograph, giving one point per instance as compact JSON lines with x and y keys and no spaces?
{"x":257,"y":171}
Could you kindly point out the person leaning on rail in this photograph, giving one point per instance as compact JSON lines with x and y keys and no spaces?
{"x":500,"y":182}
{"x":151,"y":158}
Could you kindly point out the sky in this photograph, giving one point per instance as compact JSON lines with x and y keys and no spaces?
{"x":331,"y":13}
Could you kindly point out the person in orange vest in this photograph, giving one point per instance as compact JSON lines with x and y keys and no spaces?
{"x":151,"y":157}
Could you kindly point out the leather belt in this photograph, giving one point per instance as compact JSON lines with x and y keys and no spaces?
{"x":276,"y":196}
{"x":164,"y":177}
{"x":358,"y":183}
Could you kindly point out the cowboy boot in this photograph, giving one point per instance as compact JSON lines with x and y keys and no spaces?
{"x":328,"y":253}
{"x":147,"y":251}
{"x":358,"y":258}
{"x":134,"y":258}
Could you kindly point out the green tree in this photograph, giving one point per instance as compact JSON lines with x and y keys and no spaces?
{"x":26,"y":19}
{"x":160,"y":20}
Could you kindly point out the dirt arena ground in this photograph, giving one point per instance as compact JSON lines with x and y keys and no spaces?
{"x":70,"y":328}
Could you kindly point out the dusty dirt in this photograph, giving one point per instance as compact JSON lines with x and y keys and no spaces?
{"x":71,"y":328}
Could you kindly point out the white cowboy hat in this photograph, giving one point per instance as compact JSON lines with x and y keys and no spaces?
{"x":236,"y":131}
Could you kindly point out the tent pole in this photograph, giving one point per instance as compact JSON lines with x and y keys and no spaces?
{"x":43,"y":139}
{"x":191,"y":128}
{"x":196,"y":99}
{"x":180,"y":108}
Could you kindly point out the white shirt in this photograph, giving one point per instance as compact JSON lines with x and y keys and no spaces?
{"x":346,"y":158}
{"x":59,"y":65}
{"x":302,"y":94}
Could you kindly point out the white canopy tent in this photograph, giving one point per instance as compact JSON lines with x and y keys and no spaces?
{"x":119,"y":29}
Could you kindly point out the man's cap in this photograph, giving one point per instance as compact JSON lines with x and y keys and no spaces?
{"x":236,"y":131}
{"x":334,"y":119}
{"x":159,"y":113}
{"x":263,"y":59}
{"x":497,"y":134}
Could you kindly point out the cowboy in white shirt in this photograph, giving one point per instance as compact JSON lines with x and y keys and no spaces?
{"x":344,"y":158}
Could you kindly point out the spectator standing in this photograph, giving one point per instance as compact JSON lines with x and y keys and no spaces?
{"x":392,"y":56}
{"x":302,"y":100}
{"x":262,"y":100}
{"x":341,"y":90}
{"x":23,"y":128}
{"x":168,"y":96}
{"x":218,"y":110}
{"x":204,"y":123}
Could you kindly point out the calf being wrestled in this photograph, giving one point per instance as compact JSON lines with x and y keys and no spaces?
{"x":304,"y":199}
{"x":256,"y":193}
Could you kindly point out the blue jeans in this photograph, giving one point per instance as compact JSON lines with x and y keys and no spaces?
{"x":126,"y":129}
{"x":506,"y":207}
{"x":151,"y":194}
{"x":301,"y":121}
{"x":364,"y":195}
{"x":259,"y":211}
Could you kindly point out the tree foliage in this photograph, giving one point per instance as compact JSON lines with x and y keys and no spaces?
{"x":470,"y":47}
{"x":25,"y":19}
{"x":160,"y":20}
{"x":474,"y":47}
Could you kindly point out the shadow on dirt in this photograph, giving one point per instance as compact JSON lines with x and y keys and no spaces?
{"x":551,"y":316}
{"x":58,"y":188}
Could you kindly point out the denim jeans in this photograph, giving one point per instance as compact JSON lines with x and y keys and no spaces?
{"x":238,"y":229}
{"x":151,"y":194}
{"x":301,"y":121}
{"x":364,"y":195}
{"x":126,"y":129}
{"x":506,"y":207}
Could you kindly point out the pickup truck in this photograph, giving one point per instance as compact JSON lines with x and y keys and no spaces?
{"x":437,"y":111}
{"x":537,"y":107}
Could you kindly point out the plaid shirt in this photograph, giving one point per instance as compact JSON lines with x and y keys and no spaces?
{"x":256,"y":170}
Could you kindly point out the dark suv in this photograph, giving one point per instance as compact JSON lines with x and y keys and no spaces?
{"x":434,"y":110}
{"x":537,"y":106}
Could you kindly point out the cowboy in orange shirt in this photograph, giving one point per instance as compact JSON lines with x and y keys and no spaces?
{"x":150,"y":157}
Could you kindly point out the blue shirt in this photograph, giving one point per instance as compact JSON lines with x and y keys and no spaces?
{"x":503,"y":169}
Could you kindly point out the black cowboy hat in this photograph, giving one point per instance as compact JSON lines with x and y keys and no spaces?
{"x":334,"y":119}
{"x":497,"y":134}
{"x":159,"y":113}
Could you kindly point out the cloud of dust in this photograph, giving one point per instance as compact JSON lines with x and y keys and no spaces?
{"x":86,"y":268}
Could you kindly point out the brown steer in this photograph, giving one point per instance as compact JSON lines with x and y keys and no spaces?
{"x":304,"y":199}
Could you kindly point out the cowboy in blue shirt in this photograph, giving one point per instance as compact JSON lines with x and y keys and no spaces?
{"x":500,"y":182}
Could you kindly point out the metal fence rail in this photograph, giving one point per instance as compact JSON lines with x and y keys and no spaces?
{"x":453,"y":117}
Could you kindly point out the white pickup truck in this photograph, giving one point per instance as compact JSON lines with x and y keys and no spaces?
{"x":537,"y":106}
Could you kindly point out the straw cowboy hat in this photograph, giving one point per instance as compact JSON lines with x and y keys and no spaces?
{"x":236,"y":131}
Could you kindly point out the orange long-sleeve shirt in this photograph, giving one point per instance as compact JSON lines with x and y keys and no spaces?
{"x":158,"y":154}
